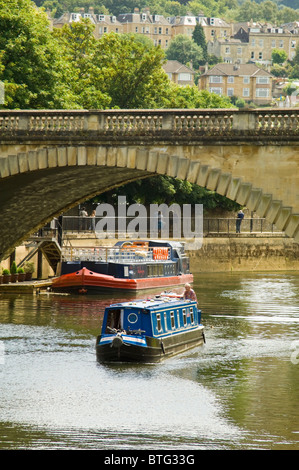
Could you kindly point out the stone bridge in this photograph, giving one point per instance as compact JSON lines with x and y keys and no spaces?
{"x":52,"y":160}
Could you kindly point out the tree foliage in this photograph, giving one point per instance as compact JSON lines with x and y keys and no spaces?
{"x":30,"y":58}
{"x":131,"y":70}
{"x":279,"y":56}
{"x":185,"y":50}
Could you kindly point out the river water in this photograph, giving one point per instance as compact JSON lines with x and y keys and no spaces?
{"x":238,"y":391}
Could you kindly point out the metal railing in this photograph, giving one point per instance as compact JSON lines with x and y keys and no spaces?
{"x":228,"y":226}
{"x":218,"y":225}
{"x":112,"y":253}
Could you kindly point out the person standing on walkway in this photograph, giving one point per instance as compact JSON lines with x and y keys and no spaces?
{"x":240,"y":217}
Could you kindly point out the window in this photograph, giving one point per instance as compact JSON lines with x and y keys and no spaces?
{"x":191,"y":314}
{"x":215,"y":79}
{"x":184,"y":317}
{"x":246,"y":80}
{"x":246,"y":92}
{"x":218,"y":91}
{"x":185,"y":76}
{"x":262,"y":80}
{"x":172,"y":320}
{"x":159,"y":326}
{"x":262,"y":92}
{"x":165,"y":321}
{"x":178,"y":318}
{"x":230,"y":92}
{"x":230,"y":79}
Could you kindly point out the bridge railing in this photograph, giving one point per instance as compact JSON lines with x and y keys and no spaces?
{"x":73,"y":224}
{"x":204,"y":123}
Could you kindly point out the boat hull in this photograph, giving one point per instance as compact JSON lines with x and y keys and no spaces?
{"x":85,"y":281}
{"x":153,"y":350}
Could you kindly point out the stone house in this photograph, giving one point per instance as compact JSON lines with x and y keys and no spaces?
{"x":246,"y":81}
{"x":103,"y":23}
{"x":230,"y":50}
{"x":179,"y":73}
{"x":155,"y":27}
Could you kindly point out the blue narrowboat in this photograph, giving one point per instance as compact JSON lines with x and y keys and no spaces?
{"x":149,"y":330}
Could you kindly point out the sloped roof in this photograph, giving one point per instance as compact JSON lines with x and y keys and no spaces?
{"x":138,"y":18}
{"x":174,"y":66}
{"x":242,"y":69}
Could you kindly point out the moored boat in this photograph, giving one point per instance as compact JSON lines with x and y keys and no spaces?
{"x":149,"y":331}
{"x":126,"y":267}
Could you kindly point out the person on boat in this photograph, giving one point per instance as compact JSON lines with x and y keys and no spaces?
{"x":189,"y":293}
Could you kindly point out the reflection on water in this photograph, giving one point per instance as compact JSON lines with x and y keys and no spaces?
{"x":240,"y":390}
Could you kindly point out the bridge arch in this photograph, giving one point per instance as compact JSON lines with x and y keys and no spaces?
{"x":39,"y":184}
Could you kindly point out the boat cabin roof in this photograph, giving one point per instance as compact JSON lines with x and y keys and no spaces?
{"x":154,"y":304}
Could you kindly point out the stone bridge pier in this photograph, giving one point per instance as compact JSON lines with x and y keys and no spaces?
{"x":52,"y":160}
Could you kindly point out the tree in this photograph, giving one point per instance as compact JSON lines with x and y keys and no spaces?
{"x":190,"y":97}
{"x":185,"y":50}
{"x":83,"y":82}
{"x":279,"y":56}
{"x":199,"y":38}
{"x":30,"y":57}
{"x":131,"y":71}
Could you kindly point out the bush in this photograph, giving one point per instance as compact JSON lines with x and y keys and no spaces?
{"x":13,"y":268}
{"x":29,"y":267}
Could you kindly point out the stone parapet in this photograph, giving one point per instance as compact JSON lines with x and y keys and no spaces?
{"x":153,"y":125}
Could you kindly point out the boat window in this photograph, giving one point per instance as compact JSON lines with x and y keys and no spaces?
{"x":113,"y":319}
{"x":178,"y":318}
{"x":184,"y":317}
{"x":165,"y":321}
{"x":132,"y":317}
{"x":192,"y":315}
{"x":172,"y":320}
{"x":159,"y":326}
